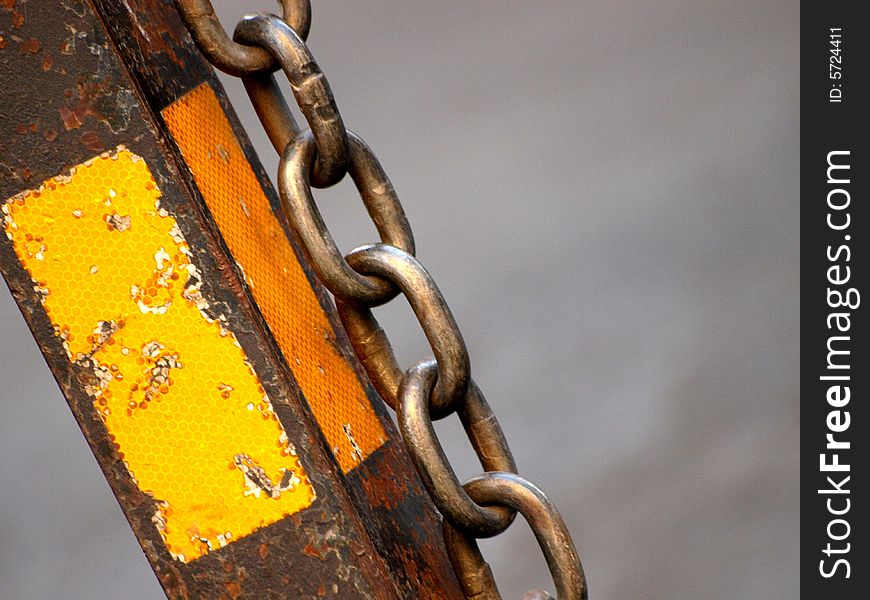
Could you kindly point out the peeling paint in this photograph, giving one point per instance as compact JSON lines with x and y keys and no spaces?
{"x":117,"y":222}
{"x":169,"y":380}
{"x":257,"y":481}
{"x":357,"y":451}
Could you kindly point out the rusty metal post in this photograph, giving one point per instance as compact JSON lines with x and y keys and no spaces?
{"x":201,"y":360}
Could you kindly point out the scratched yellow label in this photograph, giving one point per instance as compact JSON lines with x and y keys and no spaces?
{"x":276,"y":279}
{"x":179,"y":399}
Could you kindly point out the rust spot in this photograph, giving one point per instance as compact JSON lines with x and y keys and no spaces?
{"x":100,"y":100}
{"x":7,"y":4}
{"x":3,"y":42}
{"x":47,"y":62}
{"x":70,"y":119}
{"x":17,"y":19}
{"x":21,"y":129}
{"x":31,"y":46}
{"x":234,"y":589}
{"x":310,"y":550}
{"x":93,"y":142}
{"x":358,"y":548}
{"x":148,"y":23}
{"x":263,"y":551}
{"x":50,"y":135}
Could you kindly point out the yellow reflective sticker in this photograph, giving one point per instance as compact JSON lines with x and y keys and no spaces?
{"x":186,"y":412}
{"x":273,"y":273}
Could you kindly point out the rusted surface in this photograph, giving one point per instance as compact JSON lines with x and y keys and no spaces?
{"x":80,"y":103}
{"x":370,"y":534}
{"x":385,"y":489}
{"x":36,"y":55}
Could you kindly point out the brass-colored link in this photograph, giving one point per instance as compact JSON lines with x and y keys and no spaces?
{"x":432,"y":464}
{"x":473,"y":572}
{"x":431,"y":311}
{"x":508,"y":489}
{"x":379,"y":198}
{"x":311,"y":89}
{"x":271,"y":109}
{"x":226,"y":55}
{"x":373,"y":349}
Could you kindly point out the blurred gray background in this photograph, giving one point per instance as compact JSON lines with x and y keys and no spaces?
{"x":607,"y":193}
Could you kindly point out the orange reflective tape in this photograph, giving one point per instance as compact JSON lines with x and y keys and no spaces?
{"x":179,"y":399}
{"x":275,"y":277}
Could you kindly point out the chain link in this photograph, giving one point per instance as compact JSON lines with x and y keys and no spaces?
{"x":508,"y":489}
{"x":431,"y":311}
{"x":229,"y":57}
{"x":415,"y":423}
{"x":380,"y":200}
{"x":310,"y":88}
{"x":374,"y":274}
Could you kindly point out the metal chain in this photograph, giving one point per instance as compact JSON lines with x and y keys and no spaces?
{"x":374,"y":274}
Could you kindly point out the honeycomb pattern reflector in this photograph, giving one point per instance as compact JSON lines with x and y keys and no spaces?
{"x":179,"y":399}
{"x":275,"y":277}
